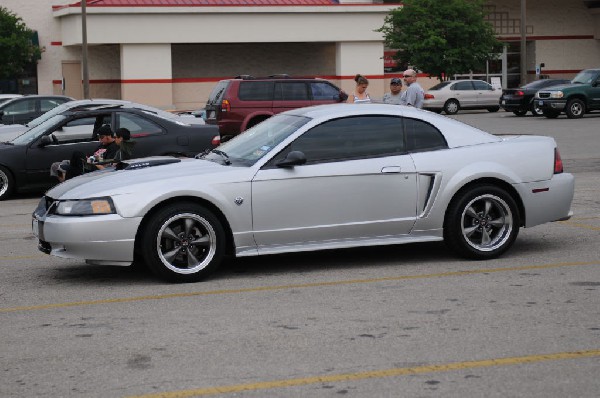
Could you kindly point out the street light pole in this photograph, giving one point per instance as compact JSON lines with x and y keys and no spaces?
{"x":523,"y":66}
{"x":84,"y":51}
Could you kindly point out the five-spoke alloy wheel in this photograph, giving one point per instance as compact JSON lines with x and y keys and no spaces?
{"x":183,"y":242}
{"x":482,"y":222}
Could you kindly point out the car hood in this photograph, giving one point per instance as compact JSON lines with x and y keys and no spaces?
{"x":8,"y":132}
{"x":560,"y":87}
{"x":139,"y":178}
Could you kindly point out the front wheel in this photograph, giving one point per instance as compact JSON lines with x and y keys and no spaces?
{"x":481,"y":222}
{"x":7,"y":183}
{"x":183,"y":242}
{"x":575,"y":108}
{"x":451,"y":107}
{"x":493,"y":109}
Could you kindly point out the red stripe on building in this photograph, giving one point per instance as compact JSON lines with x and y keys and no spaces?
{"x":578,"y":37}
{"x":56,"y":43}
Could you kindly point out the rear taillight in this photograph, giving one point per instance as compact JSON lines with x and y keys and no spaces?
{"x":216,"y":141}
{"x":225,"y":107}
{"x":558,"y":164}
{"x":429,"y":96}
{"x":519,"y":93}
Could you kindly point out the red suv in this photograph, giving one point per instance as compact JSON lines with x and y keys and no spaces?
{"x":240,"y":103}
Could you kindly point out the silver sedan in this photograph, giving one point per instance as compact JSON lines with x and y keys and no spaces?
{"x":325,"y":177}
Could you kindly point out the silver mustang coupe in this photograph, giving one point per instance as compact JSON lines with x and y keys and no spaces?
{"x":325,"y":177}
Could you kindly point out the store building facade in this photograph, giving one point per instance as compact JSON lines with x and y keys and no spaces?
{"x":171,"y":53}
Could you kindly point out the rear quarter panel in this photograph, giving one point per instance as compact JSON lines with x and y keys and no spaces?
{"x":522,"y":162}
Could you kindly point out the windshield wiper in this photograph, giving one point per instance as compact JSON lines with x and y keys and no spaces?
{"x":223,"y":155}
{"x":8,"y":143}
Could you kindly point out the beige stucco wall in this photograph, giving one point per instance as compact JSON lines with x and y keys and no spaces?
{"x":336,"y":42}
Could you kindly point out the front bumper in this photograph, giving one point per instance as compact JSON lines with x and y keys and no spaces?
{"x":512,"y":105}
{"x":551,"y":104}
{"x":105,"y":238}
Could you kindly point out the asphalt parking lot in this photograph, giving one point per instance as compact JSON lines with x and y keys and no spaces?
{"x":401,"y":321}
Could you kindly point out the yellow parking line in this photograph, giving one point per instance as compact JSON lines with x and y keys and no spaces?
{"x":579,"y":225}
{"x":372,"y":374}
{"x":21,"y":257}
{"x":293,"y":286}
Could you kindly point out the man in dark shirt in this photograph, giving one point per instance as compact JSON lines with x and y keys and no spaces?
{"x":108,"y":147}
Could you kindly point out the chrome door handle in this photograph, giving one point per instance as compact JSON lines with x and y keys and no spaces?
{"x":390,"y":169}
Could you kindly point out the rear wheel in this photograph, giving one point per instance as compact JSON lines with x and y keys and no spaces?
{"x":575,"y":108}
{"x":183,"y":242}
{"x":520,"y":112}
{"x":451,"y":107}
{"x":481,"y":222}
{"x":7,"y":183}
{"x":493,"y":109}
{"x":551,"y":114}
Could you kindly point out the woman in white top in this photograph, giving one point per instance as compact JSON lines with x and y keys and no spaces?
{"x":360,"y":95}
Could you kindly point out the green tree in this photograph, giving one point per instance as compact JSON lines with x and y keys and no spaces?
{"x":16,"y":47}
{"x":441,"y":37}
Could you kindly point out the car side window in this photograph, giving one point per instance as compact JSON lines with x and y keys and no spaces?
{"x":48,"y":104}
{"x":323,"y":91}
{"x":482,"y":85}
{"x":422,"y":136}
{"x":466,"y":85}
{"x":349,"y":138}
{"x":290,"y":91}
{"x":77,"y":130}
{"x":20,"y":108}
{"x":255,"y":91}
{"x":137,"y":125}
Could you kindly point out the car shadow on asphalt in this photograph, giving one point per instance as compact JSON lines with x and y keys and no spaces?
{"x":410,"y":256}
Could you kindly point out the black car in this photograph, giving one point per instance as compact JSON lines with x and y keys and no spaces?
{"x":25,"y":161}
{"x":22,"y":110}
{"x":520,"y":100}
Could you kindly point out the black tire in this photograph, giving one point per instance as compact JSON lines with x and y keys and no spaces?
{"x":575,"y":108}
{"x":183,"y":242}
{"x":7,"y":183}
{"x":451,"y":107}
{"x":520,"y":112}
{"x":493,"y":109}
{"x":535,"y":110}
{"x":481,"y":222}
{"x":551,"y":114}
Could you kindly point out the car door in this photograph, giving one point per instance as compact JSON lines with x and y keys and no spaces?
{"x":595,"y":93}
{"x":73,"y":135}
{"x":358,"y":184}
{"x":464,"y":92}
{"x":486,"y":94}
{"x":149,"y":138}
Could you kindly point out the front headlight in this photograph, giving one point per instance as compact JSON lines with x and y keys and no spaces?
{"x":85,"y":207}
{"x":556,"y":94}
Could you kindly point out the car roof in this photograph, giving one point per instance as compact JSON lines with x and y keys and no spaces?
{"x":25,"y":97}
{"x":456,"y":133}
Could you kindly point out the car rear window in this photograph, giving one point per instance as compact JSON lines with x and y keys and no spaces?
{"x":256,"y":91}
{"x":439,"y":86}
{"x":217,"y":93}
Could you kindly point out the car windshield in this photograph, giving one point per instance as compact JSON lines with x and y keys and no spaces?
{"x":585,"y":77}
{"x":250,"y":146}
{"x":440,"y":86}
{"x":45,"y":116}
{"x":34,"y":132}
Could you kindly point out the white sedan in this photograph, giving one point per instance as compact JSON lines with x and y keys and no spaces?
{"x":324,"y":177}
{"x":453,"y":95}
